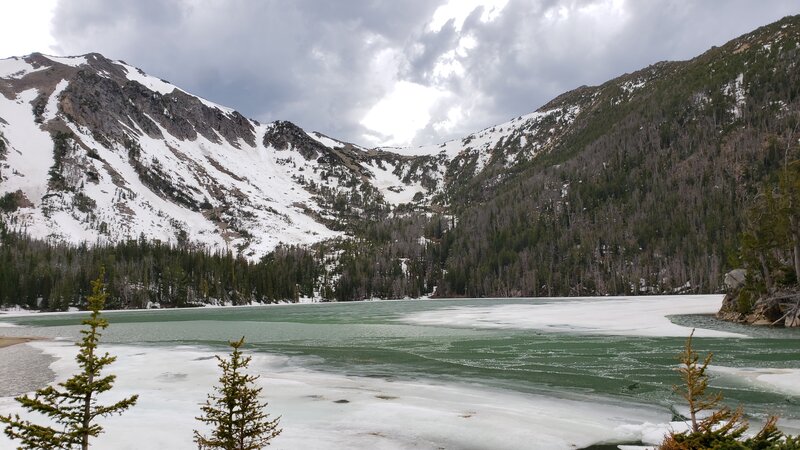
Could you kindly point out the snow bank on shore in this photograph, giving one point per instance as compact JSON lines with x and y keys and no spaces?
{"x":333,"y":411}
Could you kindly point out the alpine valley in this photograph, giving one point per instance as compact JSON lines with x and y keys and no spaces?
{"x":639,"y":185}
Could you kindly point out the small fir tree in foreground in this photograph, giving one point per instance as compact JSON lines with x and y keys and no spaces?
{"x":238,"y":418}
{"x":72,"y":406}
{"x":714,"y":426}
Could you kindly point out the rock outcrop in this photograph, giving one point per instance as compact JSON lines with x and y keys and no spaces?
{"x":776,"y":308}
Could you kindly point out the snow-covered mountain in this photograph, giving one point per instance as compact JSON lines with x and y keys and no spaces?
{"x":95,"y":150}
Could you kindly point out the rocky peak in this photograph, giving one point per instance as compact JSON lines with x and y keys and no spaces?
{"x":284,"y":135}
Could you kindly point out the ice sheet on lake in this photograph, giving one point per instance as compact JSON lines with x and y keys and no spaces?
{"x":782,"y":380}
{"x":22,"y":368}
{"x":377,"y":414}
{"x":622,"y":316}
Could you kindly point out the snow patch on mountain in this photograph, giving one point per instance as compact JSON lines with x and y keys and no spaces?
{"x":632,"y":86}
{"x":325,"y":140}
{"x":72,"y":61}
{"x":15,"y":67}
{"x":152,"y":83}
{"x":51,"y":110}
{"x":736,"y":90}
{"x":30,"y":149}
{"x":394,"y":190}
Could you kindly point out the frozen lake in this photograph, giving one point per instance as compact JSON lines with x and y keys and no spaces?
{"x":466,"y":374}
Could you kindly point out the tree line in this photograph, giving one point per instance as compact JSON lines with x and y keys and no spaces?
{"x":48,"y":275}
{"x":396,"y":258}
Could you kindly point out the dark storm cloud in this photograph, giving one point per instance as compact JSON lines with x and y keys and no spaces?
{"x":300,"y":60}
{"x":325,"y":64}
{"x":531,"y":54}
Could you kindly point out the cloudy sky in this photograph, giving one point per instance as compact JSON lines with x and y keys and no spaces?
{"x":383,"y":72}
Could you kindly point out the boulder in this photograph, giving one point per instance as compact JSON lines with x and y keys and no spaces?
{"x":735,"y":279}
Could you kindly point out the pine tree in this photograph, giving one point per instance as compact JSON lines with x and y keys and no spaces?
{"x":72,"y":406}
{"x":722,"y":428}
{"x":764,"y":233}
{"x":237,"y":416}
{"x":695,"y":383}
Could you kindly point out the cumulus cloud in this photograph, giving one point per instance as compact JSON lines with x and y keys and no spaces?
{"x":24,"y":28}
{"x":397,"y":73}
{"x":319,"y":64}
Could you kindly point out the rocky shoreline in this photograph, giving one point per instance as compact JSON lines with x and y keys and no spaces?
{"x":777,"y":308}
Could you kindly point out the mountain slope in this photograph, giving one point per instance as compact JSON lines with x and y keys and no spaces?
{"x":95,"y":150}
{"x":646,"y":190}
